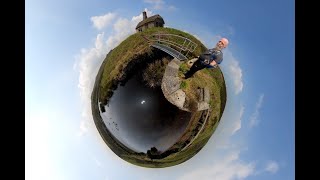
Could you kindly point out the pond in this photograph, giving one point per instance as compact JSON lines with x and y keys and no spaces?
{"x":140,"y":117}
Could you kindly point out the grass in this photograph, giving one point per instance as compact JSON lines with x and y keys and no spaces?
{"x":183,"y":68}
{"x":129,"y":49}
{"x":183,"y":85}
{"x":136,"y":48}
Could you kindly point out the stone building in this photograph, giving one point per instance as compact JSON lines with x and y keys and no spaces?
{"x":148,"y":22}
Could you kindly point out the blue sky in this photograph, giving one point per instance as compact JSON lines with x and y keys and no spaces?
{"x":66,"y":42}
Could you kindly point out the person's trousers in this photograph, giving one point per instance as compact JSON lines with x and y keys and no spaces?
{"x":197,"y":65}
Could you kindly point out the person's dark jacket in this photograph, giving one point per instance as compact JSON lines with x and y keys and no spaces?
{"x":211,"y":55}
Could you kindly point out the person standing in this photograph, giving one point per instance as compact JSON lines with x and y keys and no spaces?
{"x":209,"y":59}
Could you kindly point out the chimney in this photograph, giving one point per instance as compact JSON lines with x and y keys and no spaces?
{"x":144,"y":15}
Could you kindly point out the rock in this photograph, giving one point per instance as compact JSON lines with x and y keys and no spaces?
{"x":200,"y":94}
{"x":170,"y":84}
{"x":203,"y":106}
{"x":173,"y":65}
{"x":171,"y":70}
{"x":171,"y":88}
{"x":176,"y":61}
{"x":177,"y":98}
{"x":206,"y":95}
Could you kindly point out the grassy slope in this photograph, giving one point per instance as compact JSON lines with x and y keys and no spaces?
{"x":136,"y":45}
{"x":131,"y":47}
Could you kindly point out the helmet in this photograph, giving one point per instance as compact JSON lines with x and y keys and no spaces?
{"x":225,"y":42}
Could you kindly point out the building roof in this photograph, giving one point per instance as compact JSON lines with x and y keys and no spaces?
{"x":149,"y":19}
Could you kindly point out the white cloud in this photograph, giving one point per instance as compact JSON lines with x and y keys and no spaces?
{"x":236,"y":73}
{"x":88,"y":63}
{"x":233,"y":71}
{"x":137,"y":19}
{"x":254,"y":117}
{"x":230,"y":124}
{"x":90,"y":59}
{"x":123,"y":28}
{"x":223,"y":160}
{"x":103,"y":21}
{"x":172,"y":8}
{"x":272,"y":167}
{"x":237,"y":123}
{"x":160,"y":5}
{"x":230,"y":167}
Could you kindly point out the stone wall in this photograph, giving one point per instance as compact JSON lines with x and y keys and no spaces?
{"x":171,"y":88}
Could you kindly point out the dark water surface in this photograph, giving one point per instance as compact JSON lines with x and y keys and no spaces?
{"x":141,"y":117}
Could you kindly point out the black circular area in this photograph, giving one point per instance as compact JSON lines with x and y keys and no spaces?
{"x":140,"y":117}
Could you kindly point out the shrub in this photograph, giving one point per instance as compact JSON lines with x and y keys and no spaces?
{"x":153,"y":74}
{"x":183,"y":68}
{"x":183,"y":85}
